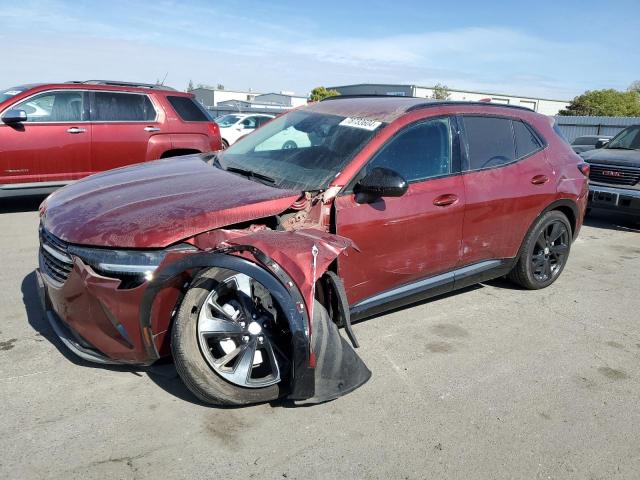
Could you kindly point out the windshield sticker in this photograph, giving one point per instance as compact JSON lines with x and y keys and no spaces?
{"x":12,"y":92}
{"x":362,"y":123}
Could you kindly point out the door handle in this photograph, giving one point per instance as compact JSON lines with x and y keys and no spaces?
{"x":76,"y":130}
{"x":445,"y":200}
{"x":539,"y":179}
{"x":151,"y":129}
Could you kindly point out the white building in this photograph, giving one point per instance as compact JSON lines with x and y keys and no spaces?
{"x":545,"y":106}
{"x":210,"y":97}
{"x":286,"y":99}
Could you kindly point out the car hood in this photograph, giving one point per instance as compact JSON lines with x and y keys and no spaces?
{"x":155,"y":204}
{"x":612,"y":156}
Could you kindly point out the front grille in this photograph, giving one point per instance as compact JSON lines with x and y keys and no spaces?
{"x":54,"y":257}
{"x":614,"y":174}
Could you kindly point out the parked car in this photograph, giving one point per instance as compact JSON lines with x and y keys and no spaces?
{"x":615,"y":173}
{"x":242,"y":264}
{"x":236,"y":125}
{"x":589,"y":142}
{"x":52,"y":134}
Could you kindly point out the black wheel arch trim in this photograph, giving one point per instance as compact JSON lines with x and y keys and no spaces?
{"x":266,"y":272}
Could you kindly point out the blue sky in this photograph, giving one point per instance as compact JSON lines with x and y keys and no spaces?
{"x":554,"y":49}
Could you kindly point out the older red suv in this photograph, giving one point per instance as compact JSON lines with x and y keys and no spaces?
{"x":244,"y":263}
{"x":52,"y":134}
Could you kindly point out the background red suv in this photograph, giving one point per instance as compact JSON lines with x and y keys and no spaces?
{"x":51,"y":134}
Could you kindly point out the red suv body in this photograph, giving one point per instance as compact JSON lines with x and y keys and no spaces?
{"x":52,"y":134}
{"x":393,"y":201}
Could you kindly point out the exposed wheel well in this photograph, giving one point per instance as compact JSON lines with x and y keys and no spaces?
{"x":179,"y":151}
{"x":569,"y":209}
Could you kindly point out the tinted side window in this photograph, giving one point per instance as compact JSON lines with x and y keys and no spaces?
{"x":122,"y":107}
{"x":419,"y":152}
{"x":188,"y":110}
{"x":526,"y":141}
{"x":54,"y":107}
{"x":489,"y":141}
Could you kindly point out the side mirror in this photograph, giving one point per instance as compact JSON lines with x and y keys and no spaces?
{"x":382,"y":182}
{"x":601,"y":143}
{"x":14,"y":116}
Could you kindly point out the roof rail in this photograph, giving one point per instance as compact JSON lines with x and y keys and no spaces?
{"x":116,"y":83}
{"x":440,"y":103}
{"x":364,"y":95}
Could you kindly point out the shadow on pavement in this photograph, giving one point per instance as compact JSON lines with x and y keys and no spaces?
{"x":612,"y":221}
{"x":21,"y":204}
{"x":162,"y":373}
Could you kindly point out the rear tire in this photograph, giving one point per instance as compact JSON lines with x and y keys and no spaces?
{"x":225,"y":144}
{"x":544,"y":252}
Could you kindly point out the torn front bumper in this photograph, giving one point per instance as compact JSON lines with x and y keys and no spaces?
{"x":102,"y":323}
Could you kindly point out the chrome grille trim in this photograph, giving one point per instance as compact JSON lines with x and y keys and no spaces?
{"x":55,"y":261}
{"x":622,"y":175}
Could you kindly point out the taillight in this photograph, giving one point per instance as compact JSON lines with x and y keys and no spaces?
{"x":214,"y":129}
{"x":585,"y":168}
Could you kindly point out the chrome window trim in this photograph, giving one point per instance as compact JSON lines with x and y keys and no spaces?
{"x":155,"y":109}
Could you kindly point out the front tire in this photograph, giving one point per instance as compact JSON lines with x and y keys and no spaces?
{"x":544,"y":252}
{"x":224,"y":319}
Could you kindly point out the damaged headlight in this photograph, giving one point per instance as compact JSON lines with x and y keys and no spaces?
{"x":131,"y":266}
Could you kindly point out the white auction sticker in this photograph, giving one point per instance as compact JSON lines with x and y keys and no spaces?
{"x":362,"y":123}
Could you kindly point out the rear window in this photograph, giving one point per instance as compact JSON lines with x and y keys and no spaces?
{"x":122,"y":107}
{"x":489,"y":141}
{"x":526,"y":141}
{"x":188,"y":110}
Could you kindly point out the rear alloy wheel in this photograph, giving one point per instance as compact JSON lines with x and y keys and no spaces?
{"x":231,"y":342}
{"x":544,"y":252}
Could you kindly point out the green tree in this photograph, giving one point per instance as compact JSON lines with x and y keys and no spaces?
{"x":320,"y":93}
{"x":607,"y":103}
{"x":634,"y":87}
{"x":440,"y":92}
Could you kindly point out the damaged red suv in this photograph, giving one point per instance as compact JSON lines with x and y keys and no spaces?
{"x":243,"y":264}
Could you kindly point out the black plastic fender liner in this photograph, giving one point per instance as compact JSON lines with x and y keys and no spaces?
{"x":275,"y":279}
{"x":339,"y":369}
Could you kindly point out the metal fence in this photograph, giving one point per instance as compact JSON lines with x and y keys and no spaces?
{"x":574,"y":127}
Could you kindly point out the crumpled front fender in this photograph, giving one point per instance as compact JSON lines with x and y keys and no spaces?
{"x":288,"y":264}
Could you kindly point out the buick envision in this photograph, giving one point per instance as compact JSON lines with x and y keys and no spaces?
{"x":243,"y":264}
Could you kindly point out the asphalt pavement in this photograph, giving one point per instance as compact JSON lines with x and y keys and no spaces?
{"x":492,"y":382}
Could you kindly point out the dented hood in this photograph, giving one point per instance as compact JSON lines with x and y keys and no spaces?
{"x":155,"y":204}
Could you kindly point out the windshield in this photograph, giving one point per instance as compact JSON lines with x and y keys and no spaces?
{"x":227,"y":120}
{"x":301,"y":150}
{"x":7,"y":93}
{"x":628,"y":139}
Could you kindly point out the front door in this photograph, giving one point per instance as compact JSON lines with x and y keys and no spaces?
{"x":52,"y":146}
{"x":410,"y":238}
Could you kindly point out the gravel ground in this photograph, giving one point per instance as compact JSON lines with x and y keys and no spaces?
{"x":492,"y":382}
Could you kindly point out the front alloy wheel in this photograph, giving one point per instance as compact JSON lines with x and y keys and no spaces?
{"x":231,"y":341}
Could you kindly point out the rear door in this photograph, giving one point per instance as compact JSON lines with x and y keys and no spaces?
{"x":507,"y":179}
{"x":122,"y":124}
{"x":53,"y":145}
{"x":416,"y":236}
